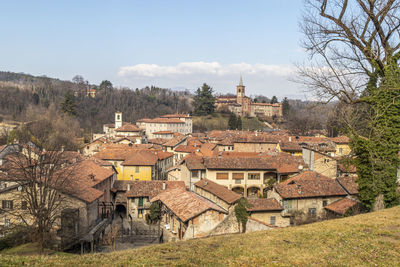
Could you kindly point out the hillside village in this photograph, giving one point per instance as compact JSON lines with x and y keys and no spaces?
{"x":196,"y":180}
{"x":146,"y":147}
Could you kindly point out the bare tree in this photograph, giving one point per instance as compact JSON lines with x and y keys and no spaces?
{"x":354,"y":46}
{"x":43,"y":181}
{"x":348,"y":42}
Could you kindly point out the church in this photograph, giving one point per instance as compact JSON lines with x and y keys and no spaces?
{"x":242,"y":105}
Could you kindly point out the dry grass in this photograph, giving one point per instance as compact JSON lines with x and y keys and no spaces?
{"x":365,"y":240}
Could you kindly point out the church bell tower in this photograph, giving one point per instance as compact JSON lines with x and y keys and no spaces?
{"x":240,"y":91}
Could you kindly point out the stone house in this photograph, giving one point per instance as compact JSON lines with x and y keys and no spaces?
{"x":132,"y":198}
{"x":80,"y":211}
{"x":187,"y":215}
{"x":216,"y":193}
{"x":268,"y":211}
{"x":308,"y":193}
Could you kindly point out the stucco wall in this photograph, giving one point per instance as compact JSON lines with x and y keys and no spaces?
{"x":254,"y":147}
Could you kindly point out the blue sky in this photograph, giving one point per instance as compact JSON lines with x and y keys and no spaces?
{"x":173,"y":44}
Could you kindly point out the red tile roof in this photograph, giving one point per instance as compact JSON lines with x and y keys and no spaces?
{"x":264,"y":204}
{"x":341,"y":139}
{"x":128,"y":128}
{"x":176,"y":116}
{"x":218,"y":190}
{"x":165,"y":120}
{"x":349,"y":184}
{"x":184,"y":204}
{"x":140,"y":158}
{"x":186,"y":149}
{"x":151,"y":188}
{"x":309,"y":184}
{"x":341,"y":206}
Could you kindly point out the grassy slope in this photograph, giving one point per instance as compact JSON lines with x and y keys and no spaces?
{"x":219,"y":121}
{"x":362,"y":240}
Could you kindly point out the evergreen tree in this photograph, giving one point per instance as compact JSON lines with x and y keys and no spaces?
{"x":68,"y":105}
{"x":241,"y":213}
{"x":285,"y":107}
{"x":274,"y":100}
{"x":232,"y":122}
{"x":105,"y":86}
{"x":204,"y":101}
{"x":239,"y":125}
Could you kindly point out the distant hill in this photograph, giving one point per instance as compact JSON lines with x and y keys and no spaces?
{"x":19,"y":90}
{"x":371,"y":239}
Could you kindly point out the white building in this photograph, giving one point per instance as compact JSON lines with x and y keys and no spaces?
{"x":173,"y":123}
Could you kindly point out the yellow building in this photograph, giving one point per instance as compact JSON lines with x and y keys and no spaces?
{"x":137,"y":165}
{"x":342,"y":145}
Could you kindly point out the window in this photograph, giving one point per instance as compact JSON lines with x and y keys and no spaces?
{"x":238,"y":175}
{"x":340,"y":151}
{"x":7,"y":223}
{"x":137,"y":169}
{"x":115,"y":164}
{"x":118,"y":117}
{"x":312,"y":211}
{"x":324,"y":203}
{"x":287,"y":205}
{"x":195,"y":174}
{"x":272,"y":220}
{"x":254,"y":176}
{"x":222,"y":175}
{"x":7,"y":204}
{"x":24,"y":205}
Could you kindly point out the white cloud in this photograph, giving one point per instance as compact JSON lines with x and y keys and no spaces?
{"x":259,"y":78}
{"x":210,"y":68}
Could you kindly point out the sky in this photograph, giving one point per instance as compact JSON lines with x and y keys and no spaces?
{"x":170,"y":44}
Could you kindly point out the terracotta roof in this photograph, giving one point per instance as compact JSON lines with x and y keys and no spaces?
{"x":341,"y":139}
{"x":140,"y":158}
{"x":184,"y":204}
{"x":341,"y":206}
{"x":266,"y":104}
{"x":263,"y":204}
{"x":144,"y":120}
{"x":158,"y":141}
{"x":150,"y":188}
{"x":162,"y":154}
{"x":175,"y":141}
{"x":194,"y":163}
{"x":348,"y":168}
{"x":309,"y":184}
{"x":207,"y":149}
{"x":128,"y":128}
{"x":349,"y":184}
{"x":291,"y":146}
{"x":1,"y":147}
{"x":186,"y":149}
{"x":165,"y":120}
{"x":176,"y":116}
{"x":238,"y":163}
{"x":218,"y":190}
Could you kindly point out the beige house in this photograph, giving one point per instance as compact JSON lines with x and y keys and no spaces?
{"x":308,"y":193}
{"x":187,"y":215}
{"x":216,"y":193}
{"x":268,"y":211}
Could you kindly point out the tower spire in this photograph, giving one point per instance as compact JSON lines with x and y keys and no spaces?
{"x":241,"y":80}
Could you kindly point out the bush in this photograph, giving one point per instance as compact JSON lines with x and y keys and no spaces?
{"x":15,"y":237}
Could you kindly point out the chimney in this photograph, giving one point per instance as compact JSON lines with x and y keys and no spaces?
{"x":164,"y":185}
{"x":290,"y":139}
{"x":299,"y":188}
{"x":62,"y":148}
{"x":128,"y":187}
{"x":205,"y":182}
